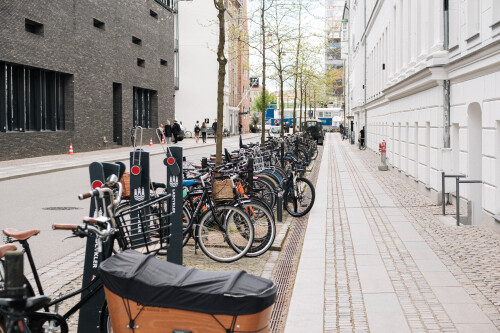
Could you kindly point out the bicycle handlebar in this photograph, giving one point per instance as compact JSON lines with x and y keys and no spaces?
{"x":89,"y":194}
{"x":64,"y":226}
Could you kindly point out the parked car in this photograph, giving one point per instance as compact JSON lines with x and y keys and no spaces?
{"x":315,"y":129}
{"x":210,"y":132}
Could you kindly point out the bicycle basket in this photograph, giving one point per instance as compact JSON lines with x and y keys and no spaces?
{"x":222,"y":190}
{"x":146,"y":226}
{"x":125,"y":185}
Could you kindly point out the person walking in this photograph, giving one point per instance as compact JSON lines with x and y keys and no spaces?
{"x":204,"y":132}
{"x":362,"y":139}
{"x":214,"y":127}
{"x":240,"y":127}
{"x":168,"y":132}
{"x":197,"y":131}
{"x":176,"y":129}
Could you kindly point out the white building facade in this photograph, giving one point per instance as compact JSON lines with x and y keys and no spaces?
{"x":425,"y":77}
{"x":196,"y":98}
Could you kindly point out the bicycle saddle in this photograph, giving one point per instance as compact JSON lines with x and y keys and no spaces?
{"x":6,"y":248}
{"x":26,"y":305}
{"x":20,"y":235}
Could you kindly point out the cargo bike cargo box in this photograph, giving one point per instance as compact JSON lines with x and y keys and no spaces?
{"x":152,"y":295}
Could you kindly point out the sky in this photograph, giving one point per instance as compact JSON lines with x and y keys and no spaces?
{"x":313,"y":23}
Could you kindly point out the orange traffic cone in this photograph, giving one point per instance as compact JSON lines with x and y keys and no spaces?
{"x":70,"y":149}
{"x":162,"y":141}
{"x":150,"y":141}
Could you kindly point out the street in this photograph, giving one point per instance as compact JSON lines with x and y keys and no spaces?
{"x":36,"y":202}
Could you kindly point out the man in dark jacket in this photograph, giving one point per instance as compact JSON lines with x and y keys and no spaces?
{"x":214,"y":127}
{"x":176,"y":129}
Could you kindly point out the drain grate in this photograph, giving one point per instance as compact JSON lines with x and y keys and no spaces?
{"x":286,"y":267}
{"x":61,"y":208}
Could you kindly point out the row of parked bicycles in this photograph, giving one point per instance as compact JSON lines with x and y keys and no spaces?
{"x":228,"y":213}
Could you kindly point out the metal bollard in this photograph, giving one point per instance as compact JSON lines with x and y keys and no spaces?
{"x":204,"y":163}
{"x":14,"y":286}
{"x":279,"y":206}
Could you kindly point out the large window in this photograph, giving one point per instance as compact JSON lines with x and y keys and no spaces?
{"x":143,"y":107}
{"x":31,"y":99}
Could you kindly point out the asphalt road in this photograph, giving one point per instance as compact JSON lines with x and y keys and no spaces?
{"x":34,"y":202}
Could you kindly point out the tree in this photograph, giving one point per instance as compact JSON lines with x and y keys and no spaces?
{"x":257,"y":105}
{"x":222,"y":60}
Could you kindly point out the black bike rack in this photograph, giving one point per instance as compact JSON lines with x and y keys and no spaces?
{"x":174,"y":174}
{"x":88,"y":320}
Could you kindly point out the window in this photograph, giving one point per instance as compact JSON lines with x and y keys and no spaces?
{"x":31,"y":99}
{"x":143,"y":99}
{"x":472,"y":19}
{"x":33,"y":27}
{"x":98,"y":24}
{"x":168,"y":4}
{"x":141,"y":62}
{"x":496,"y":13}
{"x":163,"y":62}
{"x":136,"y":40}
{"x":153,"y":14}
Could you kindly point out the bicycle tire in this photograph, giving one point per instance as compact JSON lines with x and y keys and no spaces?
{"x":219,"y":245}
{"x":291,"y":203}
{"x":264,"y":190}
{"x":105,"y":319}
{"x":264,"y":227}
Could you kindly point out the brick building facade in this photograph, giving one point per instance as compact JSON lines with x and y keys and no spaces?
{"x":82,"y":71}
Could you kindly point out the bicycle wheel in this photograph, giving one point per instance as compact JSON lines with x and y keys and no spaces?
{"x":263,"y":224}
{"x":219,"y":234}
{"x":264,"y":191}
{"x":299,"y":199}
{"x":105,"y":319}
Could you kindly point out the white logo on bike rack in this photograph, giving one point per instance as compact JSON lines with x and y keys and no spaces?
{"x":139,"y":194}
{"x":174,"y":181}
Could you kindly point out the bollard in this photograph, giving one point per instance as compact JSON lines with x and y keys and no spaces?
{"x":14,"y":280}
{"x":279,"y":206}
{"x":250,"y":175}
{"x":204,"y":163}
{"x":382,"y":147}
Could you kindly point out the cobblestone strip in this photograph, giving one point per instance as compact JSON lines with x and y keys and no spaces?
{"x":421,"y":307}
{"x":471,"y":253}
{"x":285,"y":270}
{"x":344,"y":306}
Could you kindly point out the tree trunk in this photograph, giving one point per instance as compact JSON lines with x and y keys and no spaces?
{"x":282,"y":101}
{"x":221,"y":59}
{"x":296,"y":76}
{"x":264,"y":106}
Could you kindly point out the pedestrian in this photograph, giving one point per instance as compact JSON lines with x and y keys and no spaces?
{"x":204,"y":132}
{"x":168,"y":131}
{"x":342,"y":131}
{"x":214,"y":127}
{"x":197,"y":131}
{"x":362,"y":138}
{"x":240,"y":127}
{"x":159,"y":132}
{"x":287,"y":128}
{"x":176,"y":129}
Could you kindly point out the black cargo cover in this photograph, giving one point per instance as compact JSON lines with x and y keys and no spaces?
{"x":154,"y":282}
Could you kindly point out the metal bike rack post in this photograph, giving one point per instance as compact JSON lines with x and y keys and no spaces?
{"x":465,"y":181}
{"x":279,"y":206}
{"x":250,"y":175}
{"x":443,"y":192}
{"x":139,"y":187}
{"x":14,"y":267}
{"x":173,"y":161}
{"x":282,"y":154}
{"x":88,"y":319}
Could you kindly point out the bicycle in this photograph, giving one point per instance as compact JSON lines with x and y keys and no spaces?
{"x":223,"y":232}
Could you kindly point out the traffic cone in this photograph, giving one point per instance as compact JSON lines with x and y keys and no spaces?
{"x":150,"y":141}
{"x":70,"y":149}
{"x":162,"y":141}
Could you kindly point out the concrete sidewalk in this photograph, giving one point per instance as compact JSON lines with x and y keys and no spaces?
{"x":376,"y":259}
{"x":44,"y":164}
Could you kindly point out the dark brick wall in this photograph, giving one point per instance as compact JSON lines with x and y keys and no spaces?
{"x":95,"y":59}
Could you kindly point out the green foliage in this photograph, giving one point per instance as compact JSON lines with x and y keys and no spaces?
{"x":257,"y":105}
